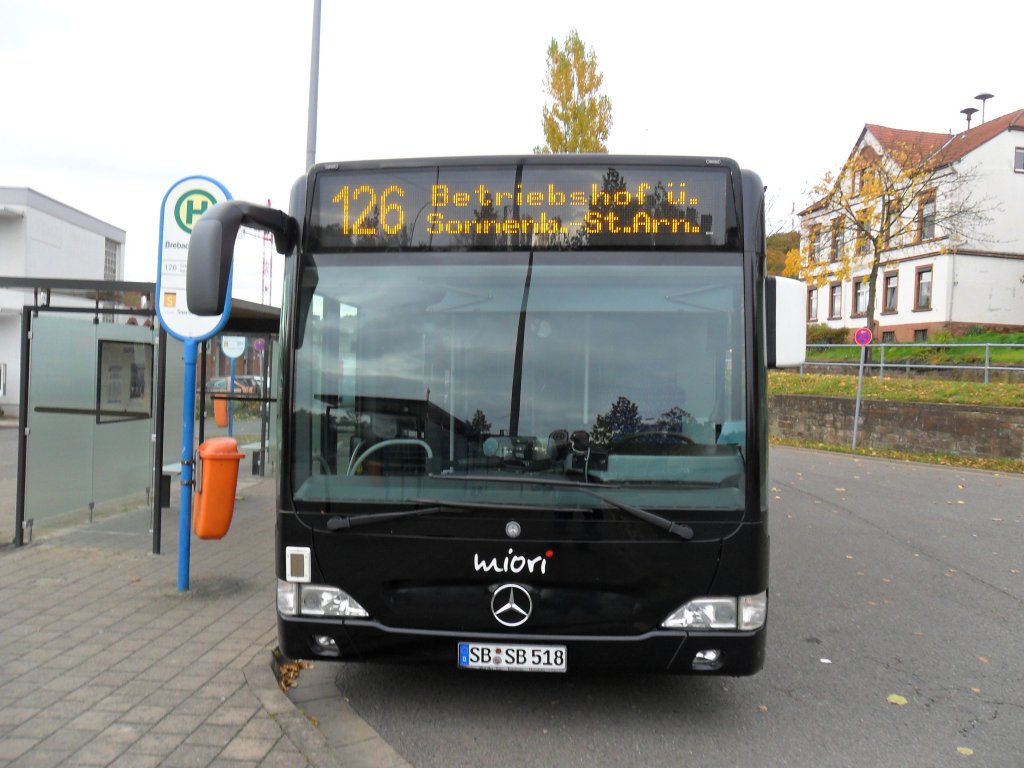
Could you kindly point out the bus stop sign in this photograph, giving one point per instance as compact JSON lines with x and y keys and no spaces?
{"x":863,"y":336}
{"x":183,"y":205}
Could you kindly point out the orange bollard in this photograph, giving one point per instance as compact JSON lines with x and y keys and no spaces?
{"x":216,"y":481}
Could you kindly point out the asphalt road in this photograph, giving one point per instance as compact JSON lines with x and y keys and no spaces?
{"x":896,"y":639}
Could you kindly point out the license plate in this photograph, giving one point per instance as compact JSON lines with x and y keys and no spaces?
{"x":512,"y":658}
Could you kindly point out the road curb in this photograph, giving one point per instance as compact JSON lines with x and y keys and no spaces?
{"x":348,"y":738}
{"x":296,"y":727}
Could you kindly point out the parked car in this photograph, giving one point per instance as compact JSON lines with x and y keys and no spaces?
{"x":244,"y":385}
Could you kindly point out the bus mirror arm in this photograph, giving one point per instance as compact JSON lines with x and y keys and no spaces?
{"x":212,"y":245}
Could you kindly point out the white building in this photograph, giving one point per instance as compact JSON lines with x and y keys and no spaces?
{"x":931,"y":280}
{"x":43,"y":238}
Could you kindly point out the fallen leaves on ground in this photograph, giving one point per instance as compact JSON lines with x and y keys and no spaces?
{"x":288,"y":673}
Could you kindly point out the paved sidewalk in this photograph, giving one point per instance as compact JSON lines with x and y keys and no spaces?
{"x":104,"y":662}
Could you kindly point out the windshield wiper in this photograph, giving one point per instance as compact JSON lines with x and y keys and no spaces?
{"x":677,"y":529}
{"x":340,"y":523}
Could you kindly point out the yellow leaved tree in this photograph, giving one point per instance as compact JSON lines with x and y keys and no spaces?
{"x":579,"y":116}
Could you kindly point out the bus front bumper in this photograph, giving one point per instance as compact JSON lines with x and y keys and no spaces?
{"x":675,"y":651}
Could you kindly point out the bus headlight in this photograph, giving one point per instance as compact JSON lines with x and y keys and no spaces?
{"x":318,"y":600}
{"x":704,"y":613}
{"x":746,"y":613}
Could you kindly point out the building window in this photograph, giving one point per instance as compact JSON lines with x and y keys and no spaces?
{"x":863,"y":235}
{"x":888,"y":337}
{"x":860,"y":296}
{"x":892,"y":227}
{"x":838,"y":240}
{"x":835,"y":302}
{"x":891,"y":284}
{"x":920,"y":334}
{"x":923,"y":288}
{"x":812,"y":304}
{"x":110,"y":252}
{"x":862,"y":178}
{"x":926,"y":217}
{"x":820,"y":243}
{"x":1018,"y":160}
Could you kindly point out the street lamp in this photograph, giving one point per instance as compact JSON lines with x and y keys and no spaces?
{"x":983,"y":97}
{"x":968,"y":111}
{"x":314,"y":87}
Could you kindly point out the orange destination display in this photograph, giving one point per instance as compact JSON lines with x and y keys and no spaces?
{"x":544,"y":207}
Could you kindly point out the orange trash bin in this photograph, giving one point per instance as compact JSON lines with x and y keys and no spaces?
{"x":220,"y":411}
{"x":216,"y":481}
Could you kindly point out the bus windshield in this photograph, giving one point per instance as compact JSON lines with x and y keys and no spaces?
{"x":589,"y":368}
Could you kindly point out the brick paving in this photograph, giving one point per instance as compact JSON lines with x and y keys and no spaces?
{"x":105,"y":663}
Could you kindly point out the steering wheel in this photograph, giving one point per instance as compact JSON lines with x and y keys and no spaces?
{"x":357,"y":462}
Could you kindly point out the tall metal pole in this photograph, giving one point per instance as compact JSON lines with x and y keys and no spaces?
{"x":158,"y":436}
{"x":188,"y":419}
{"x":860,"y":389}
{"x":22,"y":485}
{"x":314,"y":87}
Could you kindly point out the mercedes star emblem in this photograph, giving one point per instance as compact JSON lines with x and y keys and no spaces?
{"x":511,"y":605}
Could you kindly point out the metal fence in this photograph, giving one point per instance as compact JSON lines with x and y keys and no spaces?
{"x":974,"y":367}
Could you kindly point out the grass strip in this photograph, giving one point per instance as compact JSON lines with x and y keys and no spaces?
{"x":914,"y":390}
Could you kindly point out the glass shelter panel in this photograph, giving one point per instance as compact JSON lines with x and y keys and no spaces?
{"x":61,"y":419}
{"x":89,"y":415}
{"x":240,"y":396}
{"x":122,"y":447}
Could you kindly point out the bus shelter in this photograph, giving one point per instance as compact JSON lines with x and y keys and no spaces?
{"x":98,"y":380}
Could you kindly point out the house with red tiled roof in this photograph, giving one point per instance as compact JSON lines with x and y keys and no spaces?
{"x":930,"y":274}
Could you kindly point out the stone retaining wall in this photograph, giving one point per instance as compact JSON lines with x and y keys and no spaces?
{"x":968,"y":430}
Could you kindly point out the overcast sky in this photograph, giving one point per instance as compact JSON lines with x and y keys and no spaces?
{"x":105,"y":105}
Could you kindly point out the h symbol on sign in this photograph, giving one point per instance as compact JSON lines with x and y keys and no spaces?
{"x":192,"y":213}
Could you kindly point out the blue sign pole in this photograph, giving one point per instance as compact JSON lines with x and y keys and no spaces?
{"x":231,"y":403}
{"x":183,"y":204}
{"x":188,"y":416}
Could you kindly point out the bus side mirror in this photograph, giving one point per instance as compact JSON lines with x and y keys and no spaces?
{"x":785,"y":322}
{"x":211,"y":249}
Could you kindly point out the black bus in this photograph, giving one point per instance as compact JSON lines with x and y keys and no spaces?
{"x":523,"y":409}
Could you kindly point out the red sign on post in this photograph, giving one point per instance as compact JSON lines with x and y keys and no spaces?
{"x":863,"y":336}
